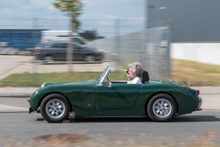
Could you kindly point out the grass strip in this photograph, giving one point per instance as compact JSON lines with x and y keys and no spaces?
{"x":198,"y":74}
{"x":37,"y":79}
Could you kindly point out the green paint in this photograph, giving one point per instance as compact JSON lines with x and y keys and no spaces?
{"x":89,"y":99}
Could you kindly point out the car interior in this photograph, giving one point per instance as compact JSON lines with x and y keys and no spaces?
{"x":144,"y":78}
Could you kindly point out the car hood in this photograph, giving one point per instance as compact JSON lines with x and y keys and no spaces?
{"x":86,"y":82}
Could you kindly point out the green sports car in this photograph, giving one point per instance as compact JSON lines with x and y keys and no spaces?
{"x":161,"y":100}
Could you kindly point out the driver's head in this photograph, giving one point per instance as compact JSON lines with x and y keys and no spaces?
{"x":134,"y":69}
{"x":127,"y":72}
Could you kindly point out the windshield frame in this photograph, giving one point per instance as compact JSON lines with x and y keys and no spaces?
{"x":104,"y":75}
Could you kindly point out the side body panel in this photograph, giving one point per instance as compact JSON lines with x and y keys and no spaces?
{"x":119,"y":96}
{"x":186,"y":98}
{"x":88,"y":99}
{"x":111,"y":102}
{"x":80,"y":94}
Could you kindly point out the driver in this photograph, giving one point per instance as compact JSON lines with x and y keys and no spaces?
{"x":134,"y":73}
{"x":127,"y":70}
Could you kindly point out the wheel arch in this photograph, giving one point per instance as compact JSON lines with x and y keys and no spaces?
{"x":90,"y":54}
{"x":49,"y":54}
{"x":54,"y":93}
{"x":177,"y":107}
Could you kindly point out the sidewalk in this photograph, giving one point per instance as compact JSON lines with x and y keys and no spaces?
{"x":17,"y":91}
{"x":24,"y":64}
{"x":210,"y":95}
{"x":206,"y":90}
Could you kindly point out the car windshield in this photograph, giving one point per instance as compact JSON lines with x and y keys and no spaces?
{"x":104,"y":74}
{"x":39,"y":45}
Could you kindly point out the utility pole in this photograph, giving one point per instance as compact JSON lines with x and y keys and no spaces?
{"x":146,"y":14}
{"x":69,"y":52}
{"x":35,"y":62}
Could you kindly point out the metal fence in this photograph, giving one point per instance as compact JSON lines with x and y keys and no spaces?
{"x":149,"y":47}
{"x":121,"y":40}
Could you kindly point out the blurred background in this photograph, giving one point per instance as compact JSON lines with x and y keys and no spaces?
{"x":71,"y":40}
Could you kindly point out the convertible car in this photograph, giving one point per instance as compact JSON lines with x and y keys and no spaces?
{"x":161,"y":100}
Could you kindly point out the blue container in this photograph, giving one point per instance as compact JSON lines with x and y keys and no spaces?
{"x":20,"y":39}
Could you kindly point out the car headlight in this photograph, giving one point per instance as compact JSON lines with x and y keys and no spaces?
{"x":43,"y":84}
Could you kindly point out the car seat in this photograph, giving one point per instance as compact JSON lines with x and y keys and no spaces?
{"x":144,"y":77}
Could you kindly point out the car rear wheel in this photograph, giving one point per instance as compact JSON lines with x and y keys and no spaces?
{"x":49,"y":59}
{"x":55,"y":108}
{"x":89,"y":59}
{"x":161,"y":107}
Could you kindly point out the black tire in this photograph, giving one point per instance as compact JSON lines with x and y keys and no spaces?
{"x":50,"y":105}
{"x":48,"y":59}
{"x":99,"y":62}
{"x":161,"y":107}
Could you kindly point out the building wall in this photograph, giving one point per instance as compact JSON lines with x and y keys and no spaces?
{"x":200,"y":52}
{"x":190,"y":20}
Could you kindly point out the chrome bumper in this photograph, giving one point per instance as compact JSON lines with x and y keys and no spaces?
{"x":199,"y":105}
{"x":200,"y":102}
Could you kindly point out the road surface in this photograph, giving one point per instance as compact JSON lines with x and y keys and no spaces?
{"x":17,"y":125}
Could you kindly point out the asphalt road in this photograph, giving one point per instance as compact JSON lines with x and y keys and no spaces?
{"x":24,"y":127}
{"x":19,"y":126}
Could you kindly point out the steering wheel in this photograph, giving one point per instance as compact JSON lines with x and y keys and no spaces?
{"x":109,"y":82}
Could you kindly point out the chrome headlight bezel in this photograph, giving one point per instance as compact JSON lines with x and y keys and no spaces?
{"x":43,"y":85}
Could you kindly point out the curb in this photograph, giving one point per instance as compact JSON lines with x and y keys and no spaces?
{"x":14,"y":112}
{"x":15,"y":94}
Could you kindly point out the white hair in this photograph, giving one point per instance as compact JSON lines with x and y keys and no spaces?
{"x":136,"y":66}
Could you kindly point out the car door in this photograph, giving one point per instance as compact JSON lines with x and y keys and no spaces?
{"x":59,"y":50}
{"x":119,"y":96}
{"x":78,"y":52}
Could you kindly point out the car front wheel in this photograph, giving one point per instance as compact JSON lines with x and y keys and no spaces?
{"x":55,"y":108}
{"x":161,"y":107}
{"x":89,"y":59}
{"x":49,"y":59}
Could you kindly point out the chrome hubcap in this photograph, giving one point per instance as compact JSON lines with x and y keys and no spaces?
{"x":49,"y":59}
{"x":90,"y":59}
{"x":162,"y":108}
{"x":55,"y":108}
